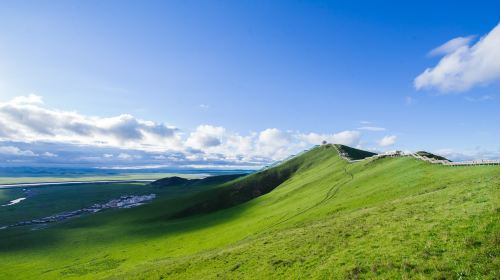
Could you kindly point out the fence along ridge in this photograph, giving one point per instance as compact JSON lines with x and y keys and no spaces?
{"x":344,"y":156}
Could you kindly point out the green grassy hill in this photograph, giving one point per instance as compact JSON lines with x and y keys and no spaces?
{"x":429,"y":155}
{"x":353,"y":153}
{"x":315,"y":216}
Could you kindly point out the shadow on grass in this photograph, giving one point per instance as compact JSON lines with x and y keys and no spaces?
{"x":23,"y":238}
{"x":111,"y":226}
{"x":174,"y":212}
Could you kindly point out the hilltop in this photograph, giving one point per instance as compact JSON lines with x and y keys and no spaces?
{"x":353,"y":153}
{"x":430,"y":155}
{"x":315,"y":215}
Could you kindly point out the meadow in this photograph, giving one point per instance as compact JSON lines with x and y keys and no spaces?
{"x":47,"y":200}
{"x":314,"y":216}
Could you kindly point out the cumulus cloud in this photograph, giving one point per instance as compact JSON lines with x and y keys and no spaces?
{"x":29,"y":99}
{"x":215,"y":143}
{"x":49,"y":154}
{"x":388,"y":140}
{"x":126,"y":139}
{"x":463,"y":65}
{"x":348,"y":137}
{"x":25,"y":118}
{"x":15,"y":151}
{"x":206,"y":136}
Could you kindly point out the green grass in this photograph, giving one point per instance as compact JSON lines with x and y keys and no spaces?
{"x":353,"y":153}
{"x":7,"y":195}
{"x":429,"y":155}
{"x":47,"y":200}
{"x":320,"y":217}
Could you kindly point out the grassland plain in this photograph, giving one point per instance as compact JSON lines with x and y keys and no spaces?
{"x":119,"y":177}
{"x":47,"y":200}
{"x":315,"y":216}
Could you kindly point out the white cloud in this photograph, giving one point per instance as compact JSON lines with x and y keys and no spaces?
{"x":123,"y":138}
{"x":275,"y":143}
{"x":29,"y":99}
{"x":124,"y":156}
{"x":273,"y":137}
{"x":479,"y":99}
{"x":24,"y":118}
{"x":348,"y":137}
{"x":160,"y":157}
{"x":464,"y":66}
{"x":452,"y":45}
{"x":462,"y":155}
{"x":371,"y":128}
{"x":206,"y":136}
{"x":272,"y":143}
{"x":15,"y":151}
{"x":388,"y":140}
{"x":49,"y":154}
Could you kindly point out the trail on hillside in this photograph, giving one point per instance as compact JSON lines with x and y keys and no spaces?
{"x":329,"y":195}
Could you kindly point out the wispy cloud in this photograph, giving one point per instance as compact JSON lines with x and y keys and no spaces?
{"x":468,"y":154}
{"x":480,"y":99}
{"x":452,"y":45}
{"x":371,"y":128}
{"x":409,"y":100}
{"x":463,"y":65}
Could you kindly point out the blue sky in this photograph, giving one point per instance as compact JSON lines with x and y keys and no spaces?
{"x":244,"y":82}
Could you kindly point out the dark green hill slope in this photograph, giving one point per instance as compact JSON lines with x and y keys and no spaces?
{"x":353,"y":153}
{"x":251,"y":186}
{"x":179,"y":181}
{"x":430,"y":155}
{"x":170,"y":181}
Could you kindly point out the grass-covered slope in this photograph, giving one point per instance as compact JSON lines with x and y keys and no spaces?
{"x":430,"y":155}
{"x":180,"y":181}
{"x":246,"y":188}
{"x":353,"y":153}
{"x":326,"y":219}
